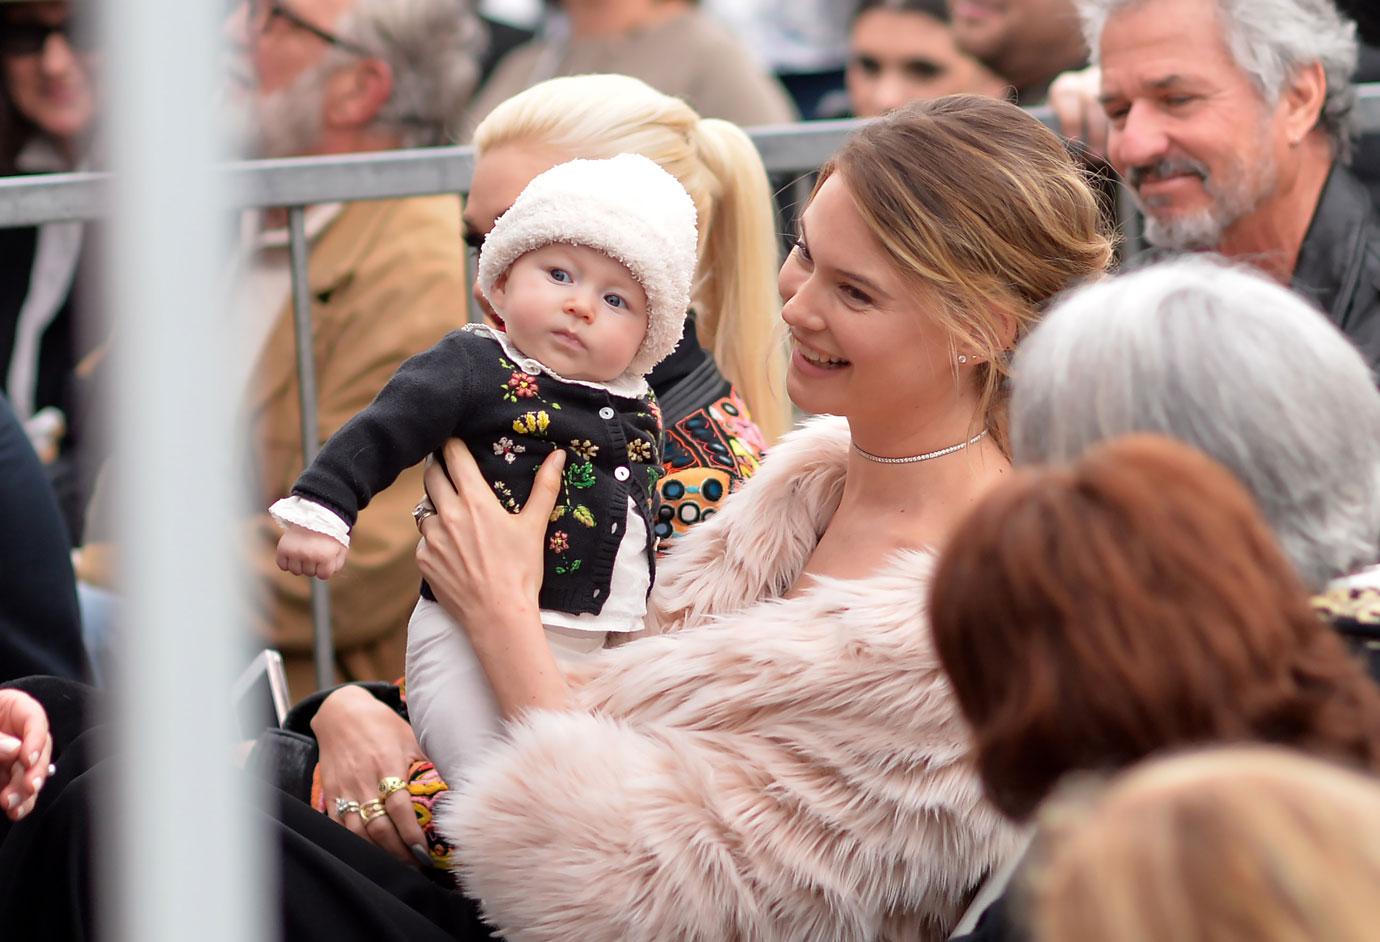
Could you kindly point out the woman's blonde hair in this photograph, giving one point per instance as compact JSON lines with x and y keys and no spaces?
{"x":979,"y":202}
{"x":1245,"y":843}
{"x":735,"y":296}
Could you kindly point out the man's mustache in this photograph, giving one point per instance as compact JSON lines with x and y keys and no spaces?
{"x":1163,"y":169}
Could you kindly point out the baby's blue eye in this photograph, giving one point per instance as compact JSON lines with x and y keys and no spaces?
{"x":561,"y":275}
{"x":613,"y":300}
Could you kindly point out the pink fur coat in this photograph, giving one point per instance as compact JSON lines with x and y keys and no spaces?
{"x":769,"y":769}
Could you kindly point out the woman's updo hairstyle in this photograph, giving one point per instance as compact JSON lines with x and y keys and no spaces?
{"x":980,"y":203}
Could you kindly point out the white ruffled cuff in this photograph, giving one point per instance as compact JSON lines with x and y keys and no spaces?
{"x":300,"y":512}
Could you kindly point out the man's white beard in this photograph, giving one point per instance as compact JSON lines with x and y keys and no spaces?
{"x":1231,"y":201}
{"x":1200,"y":231}
{"x":285,"y":123}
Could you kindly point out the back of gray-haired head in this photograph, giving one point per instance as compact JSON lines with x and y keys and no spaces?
{"x":1233,"y":364}
{"x":433,"y":48}
{"x":1270,"y":39}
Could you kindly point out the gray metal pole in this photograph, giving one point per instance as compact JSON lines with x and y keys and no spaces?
{"x":180,"y":851}
{"x":323,"y":647}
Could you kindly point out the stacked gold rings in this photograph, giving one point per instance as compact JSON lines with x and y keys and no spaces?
{"x":371,"y":809}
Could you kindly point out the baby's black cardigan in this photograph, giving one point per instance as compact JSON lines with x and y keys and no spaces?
{"x":467,"y":387}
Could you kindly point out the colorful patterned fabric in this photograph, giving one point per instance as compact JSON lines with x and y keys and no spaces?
{"x":425,"y":785}
{"x":707,"y":455}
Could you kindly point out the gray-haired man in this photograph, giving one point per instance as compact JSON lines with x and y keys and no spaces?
{"x":1231,"y":122}
{"x":385,"y":278}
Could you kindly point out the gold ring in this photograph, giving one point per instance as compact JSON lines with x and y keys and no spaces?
{"x":371,"y":809}
{"x":389,"y":785}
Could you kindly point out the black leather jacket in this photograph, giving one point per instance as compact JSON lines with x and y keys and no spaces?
{"x":1339,"y":263}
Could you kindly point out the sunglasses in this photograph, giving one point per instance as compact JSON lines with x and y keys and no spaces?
{"x":29,"y":39}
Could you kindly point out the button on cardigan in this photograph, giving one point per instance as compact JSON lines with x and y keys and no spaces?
{"x":469,"y":387}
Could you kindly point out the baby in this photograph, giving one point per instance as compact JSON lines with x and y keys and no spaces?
{"x":590,"y":273}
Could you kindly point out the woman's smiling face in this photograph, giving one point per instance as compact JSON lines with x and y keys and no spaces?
{"x":862,"y":342}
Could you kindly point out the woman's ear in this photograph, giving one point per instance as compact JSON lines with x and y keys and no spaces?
{"x":1006,"y":325}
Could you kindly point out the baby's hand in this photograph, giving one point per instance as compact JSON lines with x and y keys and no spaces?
{"x":304,"y":552}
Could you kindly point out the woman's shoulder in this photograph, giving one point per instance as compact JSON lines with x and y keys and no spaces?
{"x":757,"y":540}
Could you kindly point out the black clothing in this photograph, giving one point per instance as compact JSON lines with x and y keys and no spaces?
{"x":333,"y":885}
{"x":57,"y":352}
{"x":687,"y":379}
{"x":466,"y":387}
{"x":1365,"y":156}
{"x":71,"y":334}
{"x":995,"y":924}
{"x":40,"y":625}
{"x":1338,"y":266}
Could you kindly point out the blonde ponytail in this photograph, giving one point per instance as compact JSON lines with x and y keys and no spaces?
{"x":738,"y":305}
{"x":735,"y":299}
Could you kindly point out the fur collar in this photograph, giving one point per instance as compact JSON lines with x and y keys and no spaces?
{"x":767,"y":769}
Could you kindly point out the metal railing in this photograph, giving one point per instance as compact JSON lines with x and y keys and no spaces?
{"x":302,"y":181}
{"x":296,"y":183}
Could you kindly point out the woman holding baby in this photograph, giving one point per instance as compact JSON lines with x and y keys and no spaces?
{"x":783,"y":759}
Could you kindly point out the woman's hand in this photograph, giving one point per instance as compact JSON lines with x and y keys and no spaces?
{"x":485,"y":567}
{"x":362,"y":742}
{"x":26,"y":748}
{"x":477,"y":557}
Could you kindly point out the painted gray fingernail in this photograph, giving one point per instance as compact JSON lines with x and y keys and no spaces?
{"x":33,"y":757}
{"x":420,"y":853}
{"x":36,"y":782}
{"x":11,"y":801}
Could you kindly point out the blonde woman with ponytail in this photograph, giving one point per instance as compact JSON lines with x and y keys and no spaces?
{"x":733,"y":333}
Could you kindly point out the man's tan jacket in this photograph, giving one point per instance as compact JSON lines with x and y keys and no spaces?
{"x":386,"y":280}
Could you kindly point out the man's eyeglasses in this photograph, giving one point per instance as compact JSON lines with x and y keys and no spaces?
{"x":262,"y":13}
{"x":29,"y":39}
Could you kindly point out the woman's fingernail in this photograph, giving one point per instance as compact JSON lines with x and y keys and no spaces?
{"x":8,"y":743}
{"x":36,"y":782}
{"x":11,"y":801}
{"x":33,"y":757}
{"x":420,"y":853}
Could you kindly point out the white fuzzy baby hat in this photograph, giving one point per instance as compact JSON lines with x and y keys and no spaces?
{"x":627,"y":207}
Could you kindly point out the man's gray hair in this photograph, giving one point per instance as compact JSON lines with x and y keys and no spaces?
{"x":433,"y":48}
{"x":1270,"y":39}
{"x":1233,"y":364}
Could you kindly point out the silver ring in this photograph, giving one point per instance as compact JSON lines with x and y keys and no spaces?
{"x":423,"y":510}
{"x":344,"y":806}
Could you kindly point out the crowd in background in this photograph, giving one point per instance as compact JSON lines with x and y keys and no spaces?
{"x":1018,"y":562}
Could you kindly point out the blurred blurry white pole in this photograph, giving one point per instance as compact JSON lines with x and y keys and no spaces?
{"x":185,"y":860}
